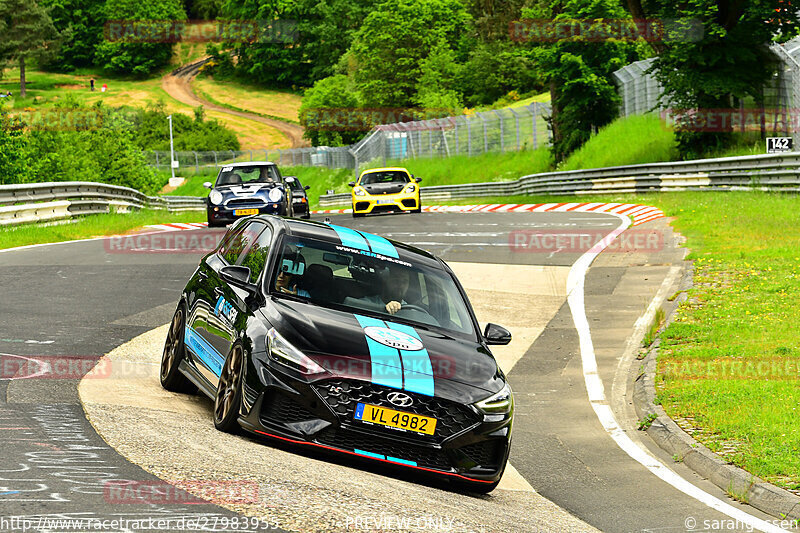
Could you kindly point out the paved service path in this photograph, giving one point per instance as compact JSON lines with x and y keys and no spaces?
{"x":178,"y":84}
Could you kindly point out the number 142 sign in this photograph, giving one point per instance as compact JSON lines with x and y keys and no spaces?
{"x":779,"y":144}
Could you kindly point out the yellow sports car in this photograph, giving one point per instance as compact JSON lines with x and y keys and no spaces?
{"x":384,"y":190}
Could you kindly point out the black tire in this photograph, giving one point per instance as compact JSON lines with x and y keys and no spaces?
{"x":357,"y":215}
{"x":174,"y":351}
{"x":229,"y":392}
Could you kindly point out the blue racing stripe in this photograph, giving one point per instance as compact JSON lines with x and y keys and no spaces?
{"x":207,"y":353}
{"x":401,"y":461}
{"x":417,"y":368}
{"x":380,"y":245}
{"x":385,"y":364}
{"x":369,"y":454}
{"x":350,"y":237}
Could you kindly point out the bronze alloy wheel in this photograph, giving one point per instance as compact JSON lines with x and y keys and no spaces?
{"x":228,"y":398}
{"x":170,"y":376}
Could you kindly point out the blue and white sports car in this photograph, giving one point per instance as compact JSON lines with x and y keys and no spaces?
{"x":244,"y":189}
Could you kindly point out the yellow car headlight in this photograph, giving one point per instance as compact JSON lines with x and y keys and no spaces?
{"x":410,"y":188}
{"x":358,"y":191}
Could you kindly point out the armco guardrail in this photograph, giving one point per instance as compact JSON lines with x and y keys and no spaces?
{"x":766,"y":172}
{"x":40,"y":202}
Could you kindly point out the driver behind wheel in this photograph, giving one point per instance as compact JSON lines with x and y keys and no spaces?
{"x":392,"y":294}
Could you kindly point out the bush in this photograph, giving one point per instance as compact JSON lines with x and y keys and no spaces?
{"x":201,"y":134}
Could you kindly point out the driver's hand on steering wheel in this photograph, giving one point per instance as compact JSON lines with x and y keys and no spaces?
{"x":393,"y":307}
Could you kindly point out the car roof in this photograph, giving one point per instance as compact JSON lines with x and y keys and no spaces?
{"x":327,"y":232}
{"x":385,"y":169}
{"x":250,"y":164}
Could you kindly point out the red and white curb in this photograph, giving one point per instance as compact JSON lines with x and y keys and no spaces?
{"x":638,"y":213}
{"x":178,"y":226}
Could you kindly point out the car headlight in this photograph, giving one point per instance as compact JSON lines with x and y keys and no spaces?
{"x":215,"y":197}
{"x":275,"y":195}
{"x":410,"y":188}
{"x":281,"y":351}
{"x":499,"y":403}
{"x":358,"y":191}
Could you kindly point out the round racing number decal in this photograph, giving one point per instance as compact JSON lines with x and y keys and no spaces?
{"x":395,"y":339}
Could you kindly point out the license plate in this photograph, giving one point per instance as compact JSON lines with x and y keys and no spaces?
{"x":395,"y":419}
{"x":385,"y":201}
{"x":245,"y":212}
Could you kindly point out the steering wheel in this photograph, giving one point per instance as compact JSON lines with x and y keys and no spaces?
{"x":413,"y":307}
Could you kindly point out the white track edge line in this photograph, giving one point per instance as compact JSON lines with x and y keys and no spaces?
{"x":597,"y":399}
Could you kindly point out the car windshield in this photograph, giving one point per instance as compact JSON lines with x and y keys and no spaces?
{"x":248,"y":174}
{"x":385,"y":176}
{"x":295,"y":184}
{"x":337,"y":276}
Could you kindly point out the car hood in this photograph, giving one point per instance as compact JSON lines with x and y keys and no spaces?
{"x":247,"y":189}
{"x":447,"y":367}
{"x":385,"y":188}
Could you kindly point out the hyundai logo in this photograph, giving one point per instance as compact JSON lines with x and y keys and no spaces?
{"x":400,"y":399}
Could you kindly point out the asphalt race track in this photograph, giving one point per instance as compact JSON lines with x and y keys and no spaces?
{"x":72,"y":303}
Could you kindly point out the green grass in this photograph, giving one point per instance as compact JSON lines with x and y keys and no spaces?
{"x":90,"y":226}
{"x":626,"y":141}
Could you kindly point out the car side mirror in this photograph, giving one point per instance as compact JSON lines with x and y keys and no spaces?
{"x":238,"y":276}
{"x":307,"y":187}
{"x":495,"y":334}
{"x":207,"y":185}
{"x":352,"y":184}
{"x":417,"y":179}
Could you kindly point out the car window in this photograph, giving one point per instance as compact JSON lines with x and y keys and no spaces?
{"x":248,"y":174}
{"x":255,"y":258}
{"x":335,"y":276}
{"x":240,"y":244}
{"x":296,"y":185}
{"x":387,"y":176}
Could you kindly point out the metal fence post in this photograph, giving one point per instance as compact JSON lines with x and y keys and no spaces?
{"x":156,"y":159}
{"x":196,"y":163}
{"x":516,"y":119}
{"x":534,"y":116}
{"x":502,"y":133}
{"x":216,"y":161}
{"x":469,"y":137}
{"x":455,"y":125}
{"x":485,"y":136}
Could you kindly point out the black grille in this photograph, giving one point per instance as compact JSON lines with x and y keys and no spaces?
{"x":360,"y":206}
{"x":351,"y":440}
{"x":410,"y":202}
{"x":343,"y":395}
{"x":486,"y":453}
{"x":281,"y":408}
{"x":244,"y":202}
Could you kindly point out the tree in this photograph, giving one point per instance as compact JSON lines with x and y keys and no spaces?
{"x":390,"y":47}
{"x":80,"y":22}
{"x":578,"y":71}
{"x":139,"y":37}
{"x":330,"y":115}
{"x":27,"y":33}
{"x":726,"y":63}
{"x":275,"y":57}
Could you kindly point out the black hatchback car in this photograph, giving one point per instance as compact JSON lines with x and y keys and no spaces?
{"x":328,"y":337}
{"x":244,"y":189}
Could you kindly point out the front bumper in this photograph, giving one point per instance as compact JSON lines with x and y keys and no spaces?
{"x":463,"y":448}
{"x":386,"y":202}
{"x":219,"y":214}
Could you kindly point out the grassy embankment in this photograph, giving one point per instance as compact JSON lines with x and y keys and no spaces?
{"x":90,"y":226}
